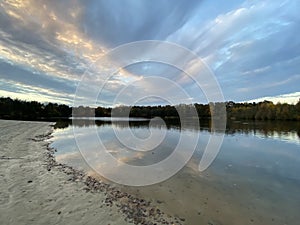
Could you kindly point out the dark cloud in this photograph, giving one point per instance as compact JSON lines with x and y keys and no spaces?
{"x":117,"y":22}
{"x":46,"y":46}
{"x":12,"y":73}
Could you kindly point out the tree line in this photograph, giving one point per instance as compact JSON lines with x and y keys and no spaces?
{"x":265,"y":110}
{"x":32,"y":110}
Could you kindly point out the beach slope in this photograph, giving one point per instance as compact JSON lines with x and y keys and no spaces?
{"x":30,"y":194}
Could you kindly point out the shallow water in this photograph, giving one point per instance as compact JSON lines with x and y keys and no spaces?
{"x":255,"y":178}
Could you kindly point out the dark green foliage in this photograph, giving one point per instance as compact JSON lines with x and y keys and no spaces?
{"x":17,"y":109}
{"x":153,"y":111}
{"x":263,"y":111}
{"x":102,"y":112}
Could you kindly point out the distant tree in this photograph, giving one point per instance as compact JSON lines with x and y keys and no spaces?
{"x":17,"y":109}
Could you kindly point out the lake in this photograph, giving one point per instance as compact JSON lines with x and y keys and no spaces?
{"x":255,"y":178}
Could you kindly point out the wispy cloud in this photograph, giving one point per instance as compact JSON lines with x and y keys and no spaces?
{"x":291,"y":98}
{"x":46,"y":46}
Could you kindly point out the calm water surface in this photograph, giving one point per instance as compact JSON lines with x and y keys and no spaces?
{"x":255,"y":178}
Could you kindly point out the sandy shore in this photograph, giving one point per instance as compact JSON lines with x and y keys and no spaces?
{"x":34,"y":189}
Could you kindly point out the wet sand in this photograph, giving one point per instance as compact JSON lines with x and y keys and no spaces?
{"x":35,"y":189}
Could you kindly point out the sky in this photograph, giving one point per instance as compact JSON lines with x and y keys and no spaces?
{"x":47,"y":48}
